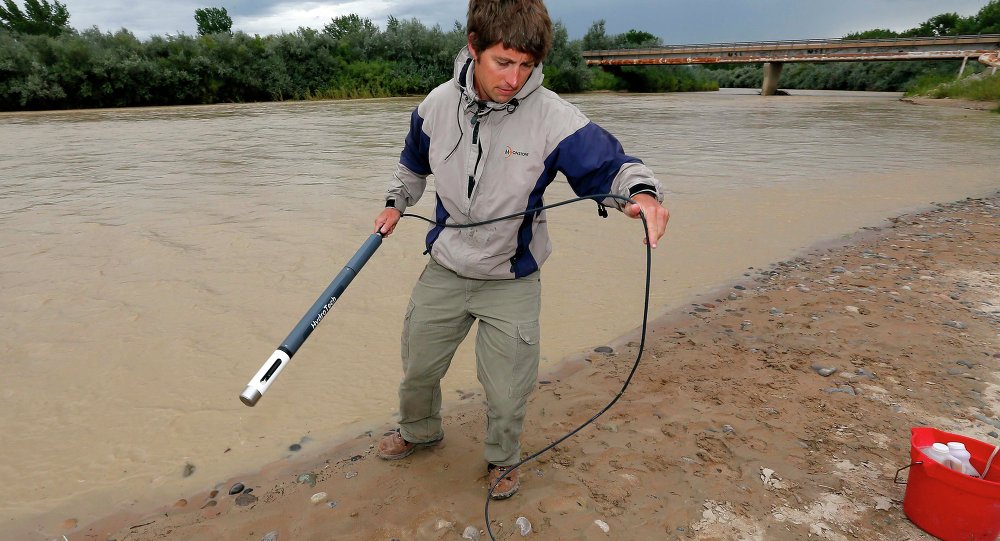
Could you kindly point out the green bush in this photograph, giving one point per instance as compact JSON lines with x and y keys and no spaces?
{"x":979,"y":87}
{"x":351,"y":57}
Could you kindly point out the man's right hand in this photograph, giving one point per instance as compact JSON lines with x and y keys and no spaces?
{"x":387,"y":220}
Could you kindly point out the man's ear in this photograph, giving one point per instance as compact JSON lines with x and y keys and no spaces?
{"x":472,"y":50}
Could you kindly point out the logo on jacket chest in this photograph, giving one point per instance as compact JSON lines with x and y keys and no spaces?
{"x":508,"y":152}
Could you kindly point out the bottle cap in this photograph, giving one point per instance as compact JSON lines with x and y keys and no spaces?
{"x":940,"y":447}
{"x":956,"y":445}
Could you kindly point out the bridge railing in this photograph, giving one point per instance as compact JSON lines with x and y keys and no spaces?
{"x":881,"y":42}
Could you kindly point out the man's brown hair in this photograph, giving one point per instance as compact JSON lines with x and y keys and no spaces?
{"x":523,"y":25}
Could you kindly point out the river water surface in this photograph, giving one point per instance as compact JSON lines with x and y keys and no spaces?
{"x":151,"y":260}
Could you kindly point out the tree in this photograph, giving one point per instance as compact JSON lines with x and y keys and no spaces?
{"x":353,"y":34}
{"x":987,"y":21}
{"x":596,"y":38}
{"x":634,"y":39}
{"x":875,"y":33}
{"x":944,"y":24}
{"x":39,"y":17}
{"x":351,"y":25}
{"x":212,"y":21}
{"x":565,"y":69}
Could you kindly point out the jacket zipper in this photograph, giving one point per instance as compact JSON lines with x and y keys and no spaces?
{"x":479,"y":156}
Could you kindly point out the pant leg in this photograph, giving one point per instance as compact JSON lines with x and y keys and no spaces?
{"x":507,"y":354}
{"x":436,"y":322}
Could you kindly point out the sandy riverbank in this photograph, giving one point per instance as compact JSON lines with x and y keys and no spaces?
{"x":957,"y":103}
{"x":907,"y":314}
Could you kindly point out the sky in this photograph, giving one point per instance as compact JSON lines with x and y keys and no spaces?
{"x":674,"y":21}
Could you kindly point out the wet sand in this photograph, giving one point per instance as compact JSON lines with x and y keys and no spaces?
{"x":959,"y":103}
{"x":727,"y":431}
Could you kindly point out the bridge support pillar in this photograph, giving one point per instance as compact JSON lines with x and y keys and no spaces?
{"x":772,"y":70}
{"x":961,"y":71}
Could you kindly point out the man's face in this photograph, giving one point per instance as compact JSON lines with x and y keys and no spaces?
{"x":500,"y":72}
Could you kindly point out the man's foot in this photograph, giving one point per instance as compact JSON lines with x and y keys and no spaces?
{"x":507,"y":486}
{"x":394,"y":447}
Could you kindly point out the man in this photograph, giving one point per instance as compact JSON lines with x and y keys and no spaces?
{"x":494,"y":139}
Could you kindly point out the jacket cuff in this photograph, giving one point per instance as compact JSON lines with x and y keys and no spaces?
{"x":395,"y":204}
{"x":637,"y":189}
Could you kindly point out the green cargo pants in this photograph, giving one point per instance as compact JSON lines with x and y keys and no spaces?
{"x":441,"y":311}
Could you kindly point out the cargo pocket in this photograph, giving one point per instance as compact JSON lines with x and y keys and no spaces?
{"x":404,"y":339}
{"x":526,"y":354}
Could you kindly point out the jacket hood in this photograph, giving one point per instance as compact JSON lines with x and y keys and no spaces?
{"x":464,"y":73}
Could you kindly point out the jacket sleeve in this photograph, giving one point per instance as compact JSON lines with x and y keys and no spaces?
{"x":410,"y":177}
{"x":594,"y":163}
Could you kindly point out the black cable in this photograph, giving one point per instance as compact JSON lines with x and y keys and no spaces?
{"x":642,"y":340}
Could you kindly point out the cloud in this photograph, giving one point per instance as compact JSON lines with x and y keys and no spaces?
{"x":289,"y":17}
{"x":675,"y":21}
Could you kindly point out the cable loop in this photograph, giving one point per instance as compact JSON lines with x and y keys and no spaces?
{"x":642,"y":341}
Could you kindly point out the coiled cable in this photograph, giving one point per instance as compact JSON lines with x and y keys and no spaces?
{"x":642,"y":341}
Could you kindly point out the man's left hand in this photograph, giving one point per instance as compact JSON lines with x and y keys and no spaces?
{"x":656,"y":216}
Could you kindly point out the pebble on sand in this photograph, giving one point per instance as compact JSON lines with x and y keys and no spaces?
{"x":319,"y":497}
{"x":824,"y":371}
{"x":524,"y":526}
{"x":236,"y":489}
{"x":602,"y":525}
{"x":307,"y":478}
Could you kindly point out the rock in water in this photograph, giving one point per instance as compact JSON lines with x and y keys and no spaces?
{"x":244,"y":500}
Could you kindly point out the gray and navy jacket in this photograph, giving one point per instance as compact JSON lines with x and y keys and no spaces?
{"x":490,"y":160}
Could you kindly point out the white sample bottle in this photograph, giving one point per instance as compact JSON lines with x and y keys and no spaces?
{"x":940,"y":453}
{"x":957,"y":450}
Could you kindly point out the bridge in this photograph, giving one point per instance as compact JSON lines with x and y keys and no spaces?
{"x":774,"y":54}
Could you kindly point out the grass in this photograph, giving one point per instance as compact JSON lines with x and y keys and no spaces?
{"x":981,"y":87}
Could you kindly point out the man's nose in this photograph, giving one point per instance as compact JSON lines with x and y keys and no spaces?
{"x":513,"y":78}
